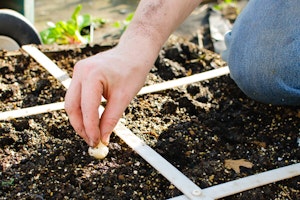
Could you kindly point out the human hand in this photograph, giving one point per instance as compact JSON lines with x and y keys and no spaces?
{"x":117,"y":75}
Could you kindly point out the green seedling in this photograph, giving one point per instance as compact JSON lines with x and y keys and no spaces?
{"x":223,"y":4}
{"x":8,"y":182}
{"x":229,"y":9}
{"x":71,"y":31}
{"x":122,"y":25}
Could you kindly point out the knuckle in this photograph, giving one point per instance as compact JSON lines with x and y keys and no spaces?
{"x":111,"y":122}
{"x":72,"y":110}
{"x":69,"y":109}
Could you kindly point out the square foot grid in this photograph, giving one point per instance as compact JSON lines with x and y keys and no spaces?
{"x":196,"y":127}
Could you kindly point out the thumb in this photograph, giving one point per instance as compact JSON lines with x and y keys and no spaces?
{"x":110,"y":117}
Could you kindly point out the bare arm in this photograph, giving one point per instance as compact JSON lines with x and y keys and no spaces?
{"x":118,"y":74}
{"x":153,"y":23}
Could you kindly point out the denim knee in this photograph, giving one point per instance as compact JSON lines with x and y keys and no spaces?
{"x":263,"y":51}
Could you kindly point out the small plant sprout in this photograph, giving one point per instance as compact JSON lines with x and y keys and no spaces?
{"x":124,"y":24}
{"x":8,"y":182}
{"x":72,"y":31}
{"x":228,"y":8}
{"x":223,"y":4}
{"x":99,"y":152}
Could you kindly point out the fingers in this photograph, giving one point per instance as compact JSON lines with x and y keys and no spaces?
{"x":82,"y":101}
{"x":72,"y":107}
{"x":92,"y":79}
{"x":113,"y":112}
{"x":90,"y":101}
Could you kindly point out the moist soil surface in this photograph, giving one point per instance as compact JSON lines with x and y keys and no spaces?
{"x":199,"y":128}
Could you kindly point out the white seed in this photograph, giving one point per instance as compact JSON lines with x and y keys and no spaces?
{"x":99,"y":152}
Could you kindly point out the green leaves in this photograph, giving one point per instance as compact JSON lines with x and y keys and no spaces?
{"x":222,"y":4}
{"x":123,"y":25}
{"x":8,"y":182}
{"x":70,"y":32}
{"x":81,"y":21}
{"x":77,"y":29}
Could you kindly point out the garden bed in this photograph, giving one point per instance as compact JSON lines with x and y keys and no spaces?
{"x":197,"y":127}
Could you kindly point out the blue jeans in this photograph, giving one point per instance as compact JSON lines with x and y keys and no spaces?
{"x":263,"y":51}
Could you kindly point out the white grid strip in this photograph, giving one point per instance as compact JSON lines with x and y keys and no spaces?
{"x":189,"y":189}
{"x":31,"y":111}
{"x":249,"y":182}
{"x":40,"y":57}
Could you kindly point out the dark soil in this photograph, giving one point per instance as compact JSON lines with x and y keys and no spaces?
{"x":195,"y":127}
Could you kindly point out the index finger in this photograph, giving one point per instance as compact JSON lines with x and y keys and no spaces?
{"x":91,"y":95}
{"x":73,"y":108}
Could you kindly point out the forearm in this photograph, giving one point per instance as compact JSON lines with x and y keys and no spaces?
{"x":153,"y":22}
{"x":119,"y":73}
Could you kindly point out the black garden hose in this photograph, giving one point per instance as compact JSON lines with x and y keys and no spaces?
{"x":15,"y":26}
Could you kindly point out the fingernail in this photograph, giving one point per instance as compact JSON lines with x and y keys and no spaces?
{"x":105,"y":140}
{"x":91,"y":143}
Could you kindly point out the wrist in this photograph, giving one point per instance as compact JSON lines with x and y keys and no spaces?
{"x":143,"y":41}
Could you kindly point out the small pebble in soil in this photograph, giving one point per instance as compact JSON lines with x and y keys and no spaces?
{"x":99,"y":152}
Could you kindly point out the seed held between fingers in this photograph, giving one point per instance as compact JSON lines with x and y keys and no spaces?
{"x":99,"y":152}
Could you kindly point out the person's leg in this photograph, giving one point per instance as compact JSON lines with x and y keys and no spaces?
{"x":263,"y":51}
